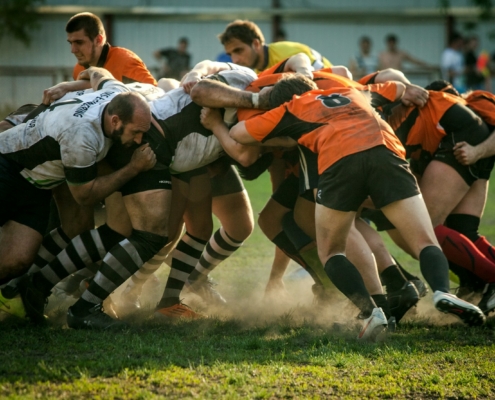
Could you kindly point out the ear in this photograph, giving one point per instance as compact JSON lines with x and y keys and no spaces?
{"x":256,"y":44}
{"x":115,"y":121}
{"x":99,"y":40}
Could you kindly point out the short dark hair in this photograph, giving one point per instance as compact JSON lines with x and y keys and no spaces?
{"x":244,"y":30}
{"x":288,"y":86}
{"x":391,"y":38}
{"x":364,"y":39}
{"x":455,"y":36}
{"x":91,"y":24}
{"x":124,"y":105}
{"x":442,"y":86}
{"x":184,"y":40}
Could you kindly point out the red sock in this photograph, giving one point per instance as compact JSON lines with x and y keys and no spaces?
{"x":486,"y":248}
{"x":461,"y":251}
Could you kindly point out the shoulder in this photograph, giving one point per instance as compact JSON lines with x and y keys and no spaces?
{"x":122,"y":52}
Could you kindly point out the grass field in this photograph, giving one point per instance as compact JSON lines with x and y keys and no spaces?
{"x":285,"y":348}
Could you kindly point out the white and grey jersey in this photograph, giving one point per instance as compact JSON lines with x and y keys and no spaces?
{"x":188,"y":145}
{"x":149,"y":91}
{"x":64,"y":142}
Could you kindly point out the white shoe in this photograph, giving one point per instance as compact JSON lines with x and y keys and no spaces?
{"x":451,"y":304}
{"x":374,"y":325}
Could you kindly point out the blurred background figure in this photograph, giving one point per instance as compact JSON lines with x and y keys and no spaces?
{"x":280,"y":36}
{"x":177,"y":61}
{"x":477,"y":75}
{"x":364,"y":62}
{"x":394,"y":57}
{"x":452,"y":63}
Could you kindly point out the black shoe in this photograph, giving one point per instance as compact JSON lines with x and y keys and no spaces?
{"x":402,"y":300}
{"x":96,"y":319}
{"x":34,"y":300}
{"x":487,"y":302}
{"x":420,"y":287}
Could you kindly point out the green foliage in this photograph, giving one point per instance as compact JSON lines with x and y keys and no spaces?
{"x":17,"y":18}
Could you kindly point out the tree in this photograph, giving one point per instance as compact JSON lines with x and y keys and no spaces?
{"x":18,"y":18}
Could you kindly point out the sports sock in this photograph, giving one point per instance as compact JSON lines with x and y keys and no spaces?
{"x":148,"y":269}
{"x":435,"y":268}
{"x":406,"y":273}
{"x":184,"y":259}
{"x":295,"y":234}
{"x":466,"y":224}
{"x":284,"y":244}
{"x":53,"y":243}
{"x":219,"y":247}
{"x":83,"y":250}
{"x":486,"y":248}
{"x":381,"y":301}
{"x":466,"y":278}
{"x":348,"y":280}
{"x":314,"y":265}
{"x":392,"y":278}
{"x":123,"y":260}
{"x":461,"y":251}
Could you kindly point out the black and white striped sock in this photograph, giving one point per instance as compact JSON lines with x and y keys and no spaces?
{"x":123,"y":260}
{"x":184,"y":258}
{"x":83,"y":250}
{"x":219,"y":247}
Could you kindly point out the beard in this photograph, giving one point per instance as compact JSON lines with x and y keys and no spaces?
{"x":116,"y":137}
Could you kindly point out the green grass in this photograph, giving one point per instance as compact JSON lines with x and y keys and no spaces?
{"x":280,"y":349}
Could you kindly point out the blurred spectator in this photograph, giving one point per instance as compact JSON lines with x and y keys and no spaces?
{"x":452,"y":63}
{"x":280,"y":36}
{"x":364,"y":62}
{"x":474,"y":77}
{"x":393,"y":57}
{"x":177,"y":60}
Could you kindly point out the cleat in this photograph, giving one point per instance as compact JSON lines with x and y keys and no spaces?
{"x":487,"y":302}
{"x":178,"y":311}
{"x":402,"y":300}
{"x":451,"y":304}
{"x":421,"y":288}
{"x":96,"y":319}
{"x":12,"y":306}
{"x":204,"y":288}
{"x":34,"y":300}
{"x":373,"y":326}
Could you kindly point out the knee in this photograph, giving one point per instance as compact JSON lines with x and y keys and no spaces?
{"x":269,"y":224}
{"x":12,"y":267}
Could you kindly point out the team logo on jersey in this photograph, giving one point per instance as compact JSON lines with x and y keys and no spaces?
{"x":334,"y":100}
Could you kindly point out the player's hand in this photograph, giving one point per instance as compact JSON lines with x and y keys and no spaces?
{"x":54,"y":93}
{"x":210,"y":117}
{"x":189,"y":80}
{"x":143,"y":158}
{"x":414,"y":96}
{"x":466,"y":154}
{"x":84,"y":75}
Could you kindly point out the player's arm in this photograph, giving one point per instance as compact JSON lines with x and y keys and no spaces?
{"x":467,"y":154}
{"x":96,"y":76}
{"x":201,"y":70}
{"x":88,"y":189}
{"x":60,"y":90}
{"x":214,"y":94}
{"x":390,"y":74}
{"x":244,"y":155}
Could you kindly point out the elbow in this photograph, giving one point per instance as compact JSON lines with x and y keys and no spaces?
{"x":247,"y":159}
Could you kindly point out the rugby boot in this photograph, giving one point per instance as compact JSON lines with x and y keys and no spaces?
{"x":451,"y":304}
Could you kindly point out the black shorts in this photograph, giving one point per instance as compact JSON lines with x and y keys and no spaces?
{"x":20,"y":201}
{"x":377,"y":172}
{"x":308,"y":171}
{"x":462,"y":125}
{"x":287,"y":193}
{"x":227,"y":182}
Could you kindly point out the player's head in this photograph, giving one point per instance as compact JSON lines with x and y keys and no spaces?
{"x":243,"y":42}
{"x":442,"y":86}
{"x":182,"y":44}
{"x":130,"y":117}
{"x":365,"y":44}
{"x":456,"y":41}
{"x":86,"y":36}
{"x":288,"y":86}
{"x":391,"y":41}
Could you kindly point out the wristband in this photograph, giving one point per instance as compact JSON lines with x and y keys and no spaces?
{"x":255,"y":99}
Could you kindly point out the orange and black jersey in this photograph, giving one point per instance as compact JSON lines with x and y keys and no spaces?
{"x":419,"y":128}
{"x":483,"y":104}
{"x":333,"y":123}
{"x":124,"y":65}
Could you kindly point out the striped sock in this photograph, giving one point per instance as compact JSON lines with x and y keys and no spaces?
{"x":123,"y":260}
{"x":184,"y":258}
{"x":148,"y":269}
{"x":83,"y":250}
{"x":52,"y":245}
{"x":220,"y":247}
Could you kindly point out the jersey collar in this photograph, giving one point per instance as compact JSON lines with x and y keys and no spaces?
{"x":103,"y":56}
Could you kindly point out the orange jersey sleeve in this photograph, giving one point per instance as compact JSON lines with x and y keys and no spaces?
{"x":124,"y":65}
{"x":368,"y":79}
{"x":483,"y":104}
